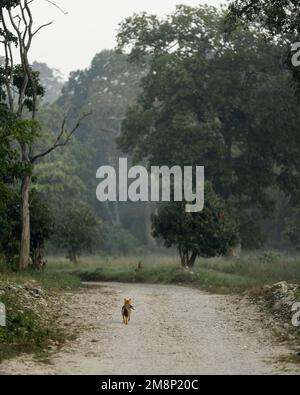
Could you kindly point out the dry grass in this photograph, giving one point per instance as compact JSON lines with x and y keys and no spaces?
{"x":251,"y":271}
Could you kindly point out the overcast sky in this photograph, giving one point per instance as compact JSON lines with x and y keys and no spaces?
{"x":73,"y":40}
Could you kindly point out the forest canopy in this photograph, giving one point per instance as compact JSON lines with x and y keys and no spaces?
{"x":196,"y":88}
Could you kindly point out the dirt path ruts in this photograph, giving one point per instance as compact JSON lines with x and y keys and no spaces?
{"x":174,"y":330}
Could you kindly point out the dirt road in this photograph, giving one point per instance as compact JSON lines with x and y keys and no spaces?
{"x":174,"y":330}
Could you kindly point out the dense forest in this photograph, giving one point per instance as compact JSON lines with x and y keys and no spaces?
{"x":195,"y":88}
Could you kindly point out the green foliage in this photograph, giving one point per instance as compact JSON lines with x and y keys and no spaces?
{"x":207,"y":234}
{"x":8,"y":157}
{"x":42,"y":228}
{"x":9,"y":230}
{"x":107,"y":88}
{"x":117,"y":240}
{"x":280,"y":19}
{"x":18,"y":81}
{"x":270,"y":256}
{"x":77,"y":230}
{"x":251,"y":230}
{"x":41,"y":219}
{"x":18,"y":76}
{"x":215,"y":99}
{"x":20,"y":90}
{"x":9,"y":173}
{"x":292,"y":231}
{"x":26,"y":131}
{"x":51,"y":80}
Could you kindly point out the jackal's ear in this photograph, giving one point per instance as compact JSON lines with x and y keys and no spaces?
{"x":125,"y":301}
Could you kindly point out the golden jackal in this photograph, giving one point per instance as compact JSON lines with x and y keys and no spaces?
{"x":126,"y":311}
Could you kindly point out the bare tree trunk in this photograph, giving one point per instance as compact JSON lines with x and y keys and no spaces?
{"x":187,"y":261}
{"x":24,"y":260}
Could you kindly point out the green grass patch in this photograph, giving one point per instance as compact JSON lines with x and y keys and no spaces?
{"x":48,"y":279}
{"x":219,"y":274}
{"x":27,"y":330}
{"x":32,"y":322}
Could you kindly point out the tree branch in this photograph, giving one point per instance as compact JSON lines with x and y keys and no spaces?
{"x":22,"y":54}
{"x":58,"y":7}
{"x":59,"y":143}
{"x":9,"y":65}
{"x":42,"y":27}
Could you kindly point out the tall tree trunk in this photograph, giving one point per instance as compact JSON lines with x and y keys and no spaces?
{"x":183,"y":257}
{"x":187,"y":261}
{"x":24,"y":261}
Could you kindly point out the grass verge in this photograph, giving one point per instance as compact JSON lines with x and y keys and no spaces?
{"x":250,"y":272}
{"x":33,"y":301}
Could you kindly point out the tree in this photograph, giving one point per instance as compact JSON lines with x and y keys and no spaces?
{"x":42,"y":228}
{"x":107,"y":88}
{"x":9,"y":173}
{"x":280,"y":19}
{"x":207,"y":234}
{"x":292,"y":229}
{"x":17,"y":28}
{"x":77,"y":231}
{"x":214,"y":99}
{"x":41,"y":222}
{"x":8,"y":156}
{"x":117,"y":241}
{"x":51,"y":79}
{"x":10,"y":229}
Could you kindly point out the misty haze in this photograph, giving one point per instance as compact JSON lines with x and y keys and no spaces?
{"x":149,"y":189}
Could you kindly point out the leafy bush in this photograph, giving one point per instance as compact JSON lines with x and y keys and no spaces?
{"x":77,"y":231}
{"x":118,"y":241}
{"x":292,"y":231}
{"x":270,"y":256}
